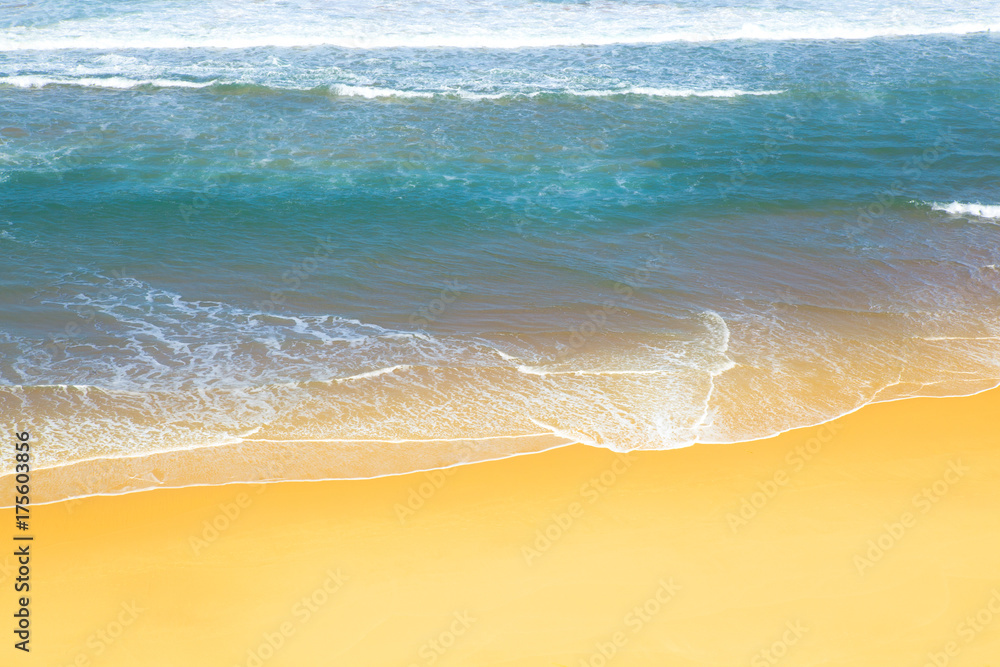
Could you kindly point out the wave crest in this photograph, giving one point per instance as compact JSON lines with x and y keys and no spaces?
{"x":986,"y":211}
{"x":497,"y":39}
{"x":114,"y":82}
{"x":474,"y":24}
{"x":371,"y":92}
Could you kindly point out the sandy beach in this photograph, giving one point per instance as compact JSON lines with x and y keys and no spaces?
{"x":870,"y":540}
{"x":520,"y":333}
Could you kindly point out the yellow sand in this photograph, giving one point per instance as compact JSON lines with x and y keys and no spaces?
{"x":653,"y":565}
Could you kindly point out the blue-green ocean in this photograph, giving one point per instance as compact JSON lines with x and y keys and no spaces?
{"x":628,"y":223}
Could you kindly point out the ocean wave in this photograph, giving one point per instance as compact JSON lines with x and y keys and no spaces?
{"x":531,"y":370}
{"x":239,"y":378}
{"x":245,"y":458}
{"x":499,"y":39}
{"x":672,"y":92}
{"x":228,"y":24}
{"x":371,"y":92}
{"x":113,"y":82}
{"x":375,"y":93}
{"x":986,"y":211}
{"x":374,"y":373}
{"x":150,"y":339}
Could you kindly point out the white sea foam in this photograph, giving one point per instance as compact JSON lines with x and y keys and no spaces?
{"x":673,"y":92}
{"x":114,"y":82}
{"x":157,"y":340}
{"x":230,"y":24}
{"x":496,"y":40}
{"x":375,"y":373}
{"x":985,"y":211}
{"x":371,"y":92}
{"x":645,"y":392}
{"x":374,"y":92}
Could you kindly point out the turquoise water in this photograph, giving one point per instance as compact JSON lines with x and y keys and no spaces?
{"x":632,"y":224}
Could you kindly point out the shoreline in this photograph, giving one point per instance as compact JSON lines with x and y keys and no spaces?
{"x":206,"y":451}
{"x":816,"y":544}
